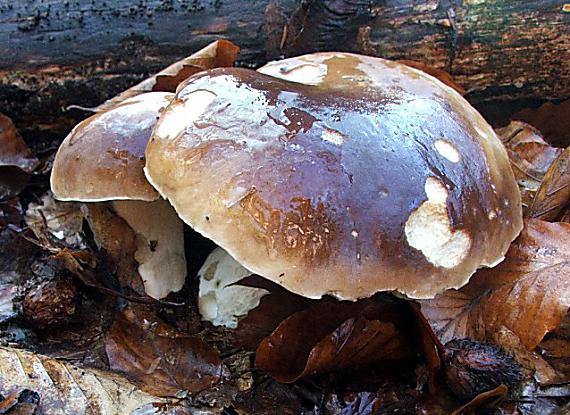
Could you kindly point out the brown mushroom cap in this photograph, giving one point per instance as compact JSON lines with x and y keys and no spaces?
{"x":103,"y":156}
{"x":373,"y":177}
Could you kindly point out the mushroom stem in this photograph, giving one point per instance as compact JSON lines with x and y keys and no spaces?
{"x":149,"y":231}
{"x":160,"y":244}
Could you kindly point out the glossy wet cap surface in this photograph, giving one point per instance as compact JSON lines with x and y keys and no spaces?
{"x":103,"y":156}
{"x":350,"y":176}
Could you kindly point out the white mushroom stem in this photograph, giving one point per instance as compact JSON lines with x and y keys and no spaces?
{"x":160,"y":244}
{"x":220,"y":301}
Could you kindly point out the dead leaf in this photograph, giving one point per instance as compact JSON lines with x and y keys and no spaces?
{"x":553,"y":120}
{"x":16,"y":160}
{"x":272,"y":310}
{"x":534,"y":365}
{"x":20,"y":402}
{"x":555,"y":349}
{"x":162,"y":360}
{"x":530,"y":157}
{"x":554,"y":192}
{"x":7,"y":294}
{"x":485,"y":399}
{"x":334,"y":335}
{"x":67,"y":389}
{"x":440,"y":74}
{"x":60,"y":221}
{"x":529,"y":292}
{"x":117,"y":242}
{"x":221,"y":53}
{"x":14,"y":152}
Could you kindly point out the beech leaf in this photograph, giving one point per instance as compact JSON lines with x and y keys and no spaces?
{"x":528,"y":293}
{"x":530,"y":156}
{"x":554,"y":192}
{"x":67,"y":389}
{"x":331,"y":336}
{"x":553,"y":120}
{"x":221,"y":53}
{"x":16,"y":160}
{"x":159,"y":358}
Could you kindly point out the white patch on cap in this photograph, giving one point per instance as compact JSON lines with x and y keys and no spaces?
{"x":428,"y":229}
{"x":180,"y":114}
{"x":447,"y":150}
{"x":333,"y":136}
{"x":220,"y":300}
{"x":306,"y":73}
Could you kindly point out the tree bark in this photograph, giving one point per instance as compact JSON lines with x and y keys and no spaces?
{"x":57,"y":53}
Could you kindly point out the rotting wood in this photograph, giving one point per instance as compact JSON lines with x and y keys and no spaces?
{"x":55,"y":54}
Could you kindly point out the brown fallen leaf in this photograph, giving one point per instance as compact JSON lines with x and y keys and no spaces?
{"x":440,"y":74}
{"x":67,"y":389}
{"x":159,"y":358}
{"x":554,"y":192}
{"x":272,"y":310}
{"x":62,"y":222}
{"x":334,"y":335}
{"x":14,"y":152}
{"x":485,"y":399}
{"x":16,"y":160}
{"x":555,"y":349}
{"x":533,"y":364}
{"x":530,"y":156}
{"x":553,"y":120}
{"x":529,"y":292}
{"x":20,"y":402}
{"x":117,"y":243}
{"x":221,"y":53}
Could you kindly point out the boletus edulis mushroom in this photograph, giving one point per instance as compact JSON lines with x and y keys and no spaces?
{"x":338,"y":174}
{"x":102,"y":161}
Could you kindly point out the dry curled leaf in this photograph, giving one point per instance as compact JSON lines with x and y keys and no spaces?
{"x":221,"y":53}
{"x":484,"y":399}
{"x":14,"y":152}
{"x":440,"y":74}
{"x":162,"y":360}
{"x":553,"y":120}
{"x":529,"y":292}
{"x":554,"y":192}
{"x":530,"y":156}
{"x":16,"y":160}
{"x":117,"y":243}
{"x":67,"y":389}
{"x":272,"y":310}
{"x":60,"y":220}
{"x":331,"y":336}
{"x":555,"y":349}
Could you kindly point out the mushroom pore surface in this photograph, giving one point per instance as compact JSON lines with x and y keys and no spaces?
{"x":357,"y":176}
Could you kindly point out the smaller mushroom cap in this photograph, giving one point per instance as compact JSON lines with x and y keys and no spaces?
{"x":102,"y":159}
{"x":103,"y":156}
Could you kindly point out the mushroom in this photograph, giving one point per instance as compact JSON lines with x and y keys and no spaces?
{"x":220,"y":300}
{"x":338,"y":175}
{"x":101,"y":161}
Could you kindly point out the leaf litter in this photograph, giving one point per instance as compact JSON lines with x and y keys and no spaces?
{"x":373,"y":356}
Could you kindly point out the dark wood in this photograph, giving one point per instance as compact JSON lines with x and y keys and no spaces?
{"x":56,"y":53}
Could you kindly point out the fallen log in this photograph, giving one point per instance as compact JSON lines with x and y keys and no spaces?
{"x":59,"y":53}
